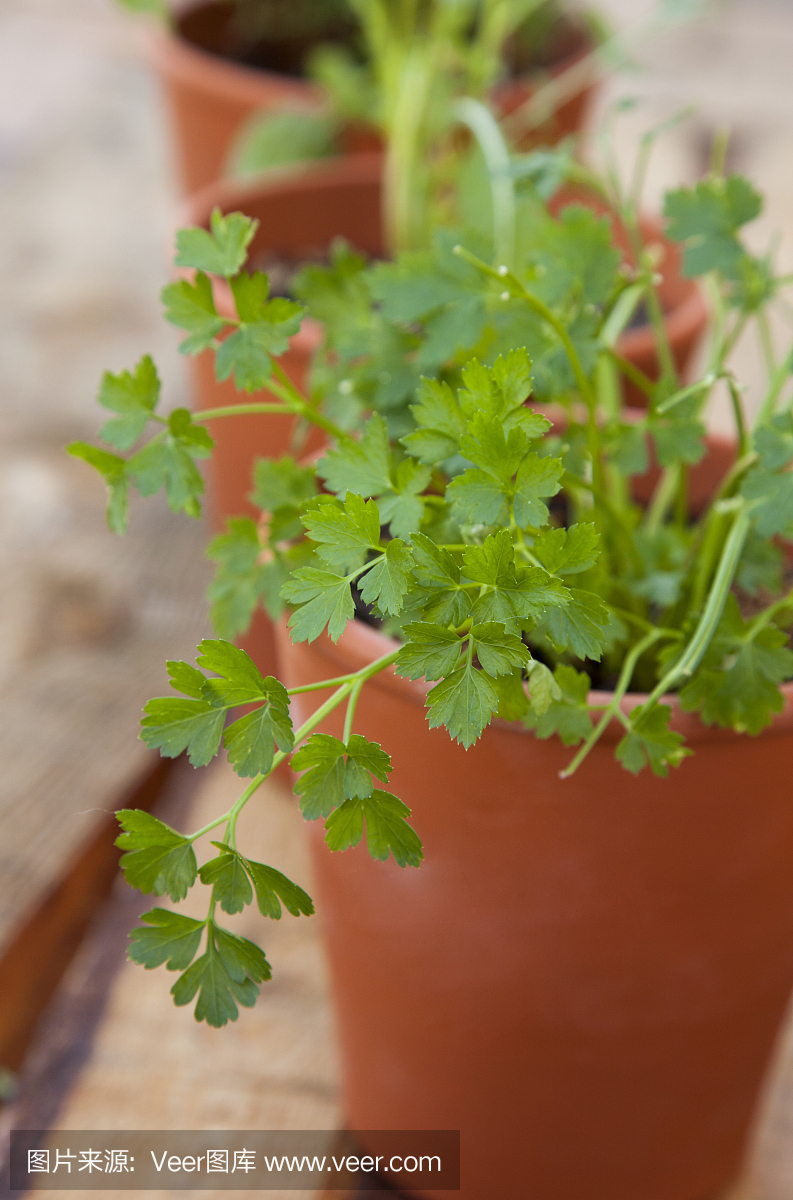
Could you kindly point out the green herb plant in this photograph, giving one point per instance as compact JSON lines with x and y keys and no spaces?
{"x":499,"y":543}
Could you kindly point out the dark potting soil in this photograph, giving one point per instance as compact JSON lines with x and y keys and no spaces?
{"x":269,"y":35}
{"x":279,"y":35}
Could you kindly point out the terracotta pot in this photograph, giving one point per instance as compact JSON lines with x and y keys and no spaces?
{"x":211,"y":98}
{"x":586,"y":978}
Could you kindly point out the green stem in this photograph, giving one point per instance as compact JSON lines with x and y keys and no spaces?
{"x":352,"y":704}
{"x":355,"y":681}
{"x":637,"y":377}
{"x":507,"y":277}
{"x":717,"y":598}
{"x":494,"y":149}
{"x":767,"y":343}
{"x":240,"y":410}
{"x":740,"y":425}
{"x":623,"y":683}
{"x":778,"y":381}
{"x":662,"y":498}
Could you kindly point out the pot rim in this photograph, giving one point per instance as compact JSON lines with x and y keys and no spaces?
{"x":360,"y":644}
{"x":179,"y":59}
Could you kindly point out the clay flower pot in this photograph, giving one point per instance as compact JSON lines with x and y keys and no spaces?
{"x":211,"y":98}
{"x":586,"y":978}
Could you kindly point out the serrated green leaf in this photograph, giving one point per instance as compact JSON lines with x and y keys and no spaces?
{"x":217,"y":988}
{"x":167,"y":937}
{"x":387,"y":830}
{"x":250,"y":741}
{"x":191,"y":306}
{"x":343,"y":530}
{"x":134,"y":397}
{"x":386,"y":584}
{"x":479,"y":498}
{"x":114,"y":470}
{"x":441,"y":423}
{"x":773,"y":490}
{"x":321,"y":788}
{"x":568,"y":551}
{"x":651,"y":742}
{"x":241,"y":681}
{"x":464,"y":702}
{"x":240,"y":580}
{"x":513,"y":703}
{"x":560,"y":709}
{"x":220,"y":251}
{"x":431,"y":652}
{"x":156,"y":858}
{"x":363,"y":466}
{"x":737,"y":683}
{"x":169,"y":464}
{"x":281,"y":483}
{"x":544,"y":689}
{"x":227,"y":877}
{"x":273,"y":888}
{"x":248,"y":352}
{"x":498,"y":651}
{"x":241,"y":957}
{"x":578,"y":626}
{"x":172,"y":725}
{"x":707,"y":217}
{"x":364,"y":759}
{"x":536,"y":480}
{"x":325,"y":599}
{"x":438,"y":576}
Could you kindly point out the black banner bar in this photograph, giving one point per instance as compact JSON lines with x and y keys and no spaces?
{"x":232,"y":1160}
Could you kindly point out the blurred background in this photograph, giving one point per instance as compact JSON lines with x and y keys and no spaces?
{"x":88,"y":205}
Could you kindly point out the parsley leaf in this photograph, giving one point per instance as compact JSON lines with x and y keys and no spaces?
{"x":560,"y":706}
{"x":431,"y":652}
{"x":335,"y":772}
{"x":568,"y":551}
{"x":191,"y":306}
{"x":170,"y":464}
{"x":707,"y":218}
{"x":114,"y":470}
{"x":263,"y":332}
{"x":578,"y":626}
{"x":167,"y":937}
{"x":387,"y":830}
{"x":134,"y":397}
{"x":464,"y":702}
{"x":226,"y":874}
{"x":737,"y":683}
{"x":343,"y":530}
{"x":196,"y":724}
{"x":273,"y":888}
{"x":156,"y":858}
{"x":651,"y":741}
{"x":324,"y":599}
{"x":386,"y":585}
{"x":222,"y":249}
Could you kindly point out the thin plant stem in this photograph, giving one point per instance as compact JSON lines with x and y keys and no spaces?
{"x":495,"y":152}
{"x":308,"y":726}
{"x":717,"y":598}
{"x":636,"y":376}
{"x":623,"y":683}
{"x":352,"y":704}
